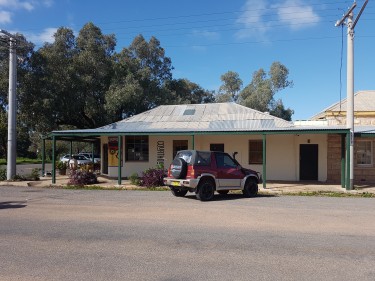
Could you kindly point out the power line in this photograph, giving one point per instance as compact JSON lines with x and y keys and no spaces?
{"x":210,"y":14}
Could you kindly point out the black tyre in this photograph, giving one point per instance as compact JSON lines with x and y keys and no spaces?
{"x":250,"y":189}
{"x":206,"y":190}
{"x":179,"y":168}
{"x":223,"y":192}
{"x":178,"y":192}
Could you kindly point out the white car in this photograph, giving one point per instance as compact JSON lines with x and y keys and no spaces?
{"x":89,"y":156}
{"x":65,"y":158}
{"x":81,"y":159}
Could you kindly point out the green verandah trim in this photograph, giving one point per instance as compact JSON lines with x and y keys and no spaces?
{"x":92,"y":137}
{"x":264,"y":172}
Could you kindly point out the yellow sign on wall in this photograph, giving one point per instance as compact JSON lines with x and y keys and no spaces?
{"x":113,"y":149}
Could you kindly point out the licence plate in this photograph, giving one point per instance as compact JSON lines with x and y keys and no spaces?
{"x":175,"y":183}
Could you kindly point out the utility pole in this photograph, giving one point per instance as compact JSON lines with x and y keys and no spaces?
{"x":350,"y":83}
{"x":12,"y":134}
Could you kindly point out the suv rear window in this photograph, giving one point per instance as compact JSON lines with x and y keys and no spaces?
{"x":186,"y":155}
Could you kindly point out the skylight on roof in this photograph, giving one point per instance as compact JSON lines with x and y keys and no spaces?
{"x":189,"y":112}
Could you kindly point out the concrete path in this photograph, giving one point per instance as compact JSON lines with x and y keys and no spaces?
{"x":271,"y":187}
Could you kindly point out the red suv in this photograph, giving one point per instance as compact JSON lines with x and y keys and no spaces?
{"x":205,"y":172}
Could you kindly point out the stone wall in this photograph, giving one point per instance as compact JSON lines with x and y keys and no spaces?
{"x":362,"y":175}
{"x":334,"y":159}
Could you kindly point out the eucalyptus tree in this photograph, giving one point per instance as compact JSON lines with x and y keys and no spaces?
{"x":68,"y":79}
{"x":140,"y":71}
{"x":24,"y":51}
{"x":230,"y":88}
{"x":183,"y":91}
{"x":259,"y":94}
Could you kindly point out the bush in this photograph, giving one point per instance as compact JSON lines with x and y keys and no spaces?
{"x":82,"y":177}
{"x":134,"y":179}
{"x":152,"y":177}
{"x":34,"y":176}
{"x":3,"y":174}
{"x":61,"y":165}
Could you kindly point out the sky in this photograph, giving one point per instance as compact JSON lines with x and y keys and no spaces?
{"x":208,"y":38}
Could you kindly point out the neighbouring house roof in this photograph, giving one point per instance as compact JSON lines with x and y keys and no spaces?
{"x":198,"y":118}
{"x":364,"y":101}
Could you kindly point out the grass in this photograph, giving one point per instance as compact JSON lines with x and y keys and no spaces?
{"x":328,"y":194}
{"x":21,"y":160}
{"x":98,"y":187}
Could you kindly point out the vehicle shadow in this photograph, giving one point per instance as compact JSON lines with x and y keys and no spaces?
{"x":12,"y":205}
{"x":226,"y":197}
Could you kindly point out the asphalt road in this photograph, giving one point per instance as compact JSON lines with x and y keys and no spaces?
{"x":54,"y":234}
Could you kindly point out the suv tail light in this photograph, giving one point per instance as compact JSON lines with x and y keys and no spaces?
{"x":190,"y":172}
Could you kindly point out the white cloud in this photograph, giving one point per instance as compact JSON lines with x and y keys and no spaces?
{"x":296,"y":14}
{"x":5,"y":17}
{"x":259,"y":16}
{"x":40,"y":38}
{"x":17,"y":5}
{"x":252,"y":20}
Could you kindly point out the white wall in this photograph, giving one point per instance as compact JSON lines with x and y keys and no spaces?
{"x":282,"y":153}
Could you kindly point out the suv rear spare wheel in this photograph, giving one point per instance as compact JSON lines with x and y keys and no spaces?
{"x":179,"y":168}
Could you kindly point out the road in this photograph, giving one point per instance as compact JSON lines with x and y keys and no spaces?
{"x":55,"y":234}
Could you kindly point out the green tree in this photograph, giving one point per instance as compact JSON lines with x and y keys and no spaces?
{"x":93,"y":64}
{"x":183,"y":91}
{"x":230,"y":88}
{"x":259,"y":94}
{"x":68,"y":79}
{"x":140,"y":72}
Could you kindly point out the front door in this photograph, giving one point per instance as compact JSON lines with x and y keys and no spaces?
{"x":308,"y":165}
{"x":105,"y":159}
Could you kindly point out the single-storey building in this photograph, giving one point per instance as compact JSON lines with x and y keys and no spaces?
{"x":364,"y":127}
{"x":279,"y":149}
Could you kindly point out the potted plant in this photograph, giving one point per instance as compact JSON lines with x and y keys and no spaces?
{"x":61,"y":167}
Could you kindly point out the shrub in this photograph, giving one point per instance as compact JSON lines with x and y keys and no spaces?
{"x":134,"y":179}
{"x":82,"y":177}
{"x":3,"y":174}
{"x":152,"y":177}
{"x":61,"y":165}
{"x":34,"y":176}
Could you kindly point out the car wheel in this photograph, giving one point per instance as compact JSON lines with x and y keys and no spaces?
{"x":250,"y":189}
{"x":206,"y":190}
{"x":223,"y":192}
{"x":178,"y":192}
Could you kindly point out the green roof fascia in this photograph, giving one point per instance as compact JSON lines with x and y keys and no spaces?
{"x":176,"y":133}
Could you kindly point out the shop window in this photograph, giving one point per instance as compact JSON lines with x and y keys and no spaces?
{"x":217,"y":147}
{"x":179,"y":145}
{"x":137,"y":148}
{"x":364,"y":153}
{"x":255,"y":152}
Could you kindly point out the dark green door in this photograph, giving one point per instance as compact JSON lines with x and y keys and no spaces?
{"x":308,"y":165}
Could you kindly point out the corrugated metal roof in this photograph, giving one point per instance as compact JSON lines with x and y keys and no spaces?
{"x":364,"y":101}
{"x":217,"y":117}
